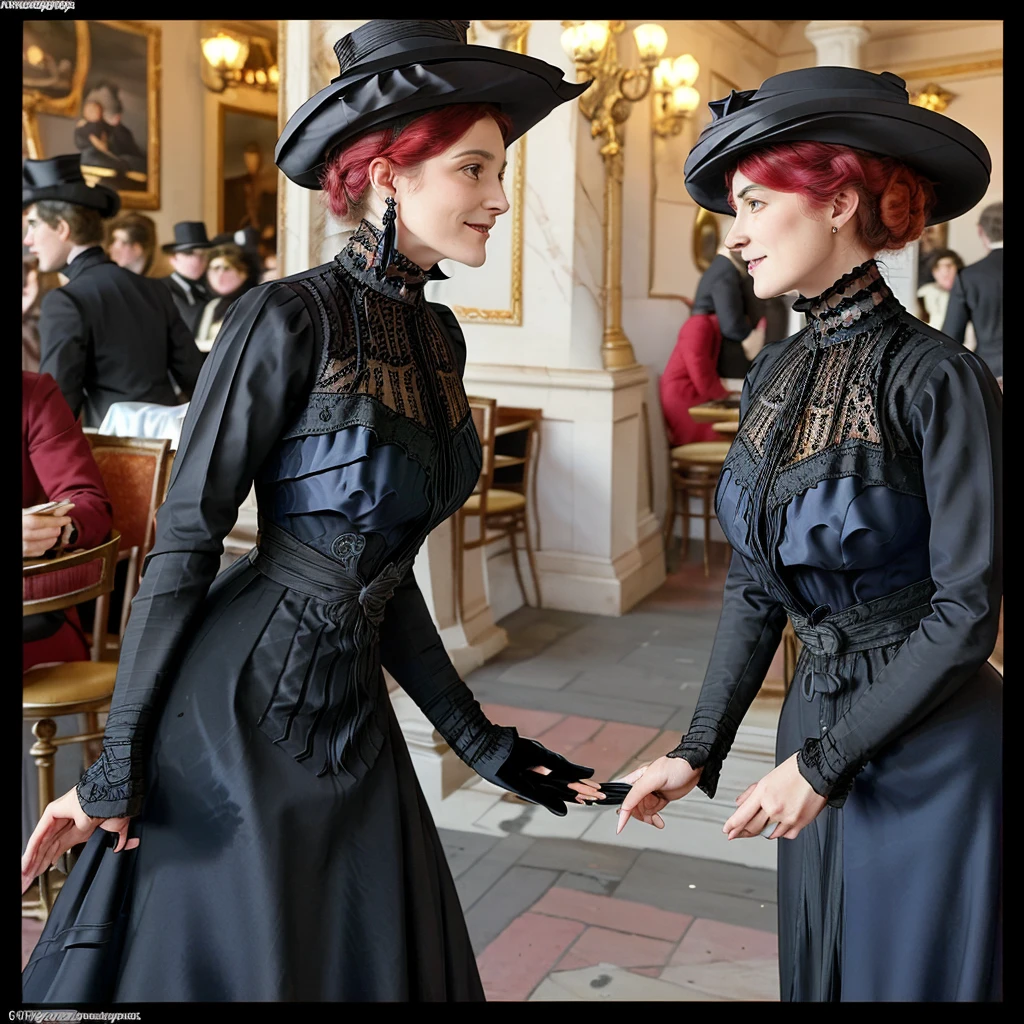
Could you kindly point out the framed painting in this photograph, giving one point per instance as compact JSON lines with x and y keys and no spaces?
{"x":247,"y":196}
{"x":103,"y":101}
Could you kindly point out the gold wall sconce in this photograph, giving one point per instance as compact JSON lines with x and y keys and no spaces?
{"x":607,"y":104}
{"x":675,"y":98}
{"x":933,"y":97}
{"x":234,"y":60}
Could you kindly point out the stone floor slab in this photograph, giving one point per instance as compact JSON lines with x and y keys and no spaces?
{"x":526,"y":720}
{"x":708,"y":941}
{"x":747,"y":980}
{"x":486,"y":872}
{"x":516,"y":962}
{"x":516,"y":817}
{"x":664,"y":871}
{"x":512,"y":895}
{"x":606,"y":982}
{"x":463,"y":849}
{"x":603,"y":945}
{"x":602,"y":861}
{"x":617,"y":914}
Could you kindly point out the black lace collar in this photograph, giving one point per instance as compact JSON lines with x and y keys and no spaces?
{"x":404,"y":279}
{"x":858,"y":302}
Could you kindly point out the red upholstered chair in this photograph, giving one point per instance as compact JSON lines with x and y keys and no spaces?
{"x":136,"y":471}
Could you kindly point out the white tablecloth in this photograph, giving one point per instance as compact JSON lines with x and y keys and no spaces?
{"x":143,"y":419}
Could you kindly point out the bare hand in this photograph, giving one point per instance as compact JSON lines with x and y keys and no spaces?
{"x":584,"y":790}
{"x":654,"y":785}
{"x":40,"y":533}
{"x":782,"y":796}
{"x":754,"y":341}
{"x":64,"y":824}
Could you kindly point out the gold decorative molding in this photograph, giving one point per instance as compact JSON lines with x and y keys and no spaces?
{"x":949,"y":70}
{"x":35,"y":102}
{"x":514,"y":35}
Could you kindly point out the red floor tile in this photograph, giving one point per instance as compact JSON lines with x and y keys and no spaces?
{"x":518,"y":960}
{"x":647,"y":972}
{"x":565,"y":736}
{"x":613,"y":746}
{"x":604,"y":946}
{"x":529,"y":723}
{"x":661,"y":744}
{"x":708,"y":941}
{"x":608,"y":912}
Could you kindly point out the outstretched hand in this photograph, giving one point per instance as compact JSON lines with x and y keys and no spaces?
{"x":654,"y":785}
{"x":541,"y":776}
{"x":63,"y":825}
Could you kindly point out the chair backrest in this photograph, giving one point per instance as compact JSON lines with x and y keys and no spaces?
{"x":517,"y":430}
{"x":52,"y":584}
{"x":483,"y":410}
{"x":135,"y":471}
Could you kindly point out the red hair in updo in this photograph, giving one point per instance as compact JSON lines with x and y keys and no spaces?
{"x":346,"y":175}
{"x":894,"y":200}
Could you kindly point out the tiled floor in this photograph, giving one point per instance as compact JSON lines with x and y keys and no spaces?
{"x":561,"y":909}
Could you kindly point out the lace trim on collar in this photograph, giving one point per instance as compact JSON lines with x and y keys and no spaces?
{"x":858,"y":302}
{"x":403,"y":279}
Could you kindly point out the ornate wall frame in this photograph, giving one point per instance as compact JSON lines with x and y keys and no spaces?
{"x":34,"y":103}
{"x":514,"y":39}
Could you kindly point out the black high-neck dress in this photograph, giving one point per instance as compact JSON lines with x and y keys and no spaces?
{"x":287,"y":852}
{"x":862,"y":497}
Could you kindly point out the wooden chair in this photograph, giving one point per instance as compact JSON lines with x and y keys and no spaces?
{"x":694,"y":469}
{"x":136,"y":471}
{"x":501,"y":510}
{"x":70,"y":688}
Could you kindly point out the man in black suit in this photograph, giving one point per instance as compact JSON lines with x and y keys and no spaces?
{"x":977,"y":294}
{"x":108,"y":335}
{"x":187,"y":283}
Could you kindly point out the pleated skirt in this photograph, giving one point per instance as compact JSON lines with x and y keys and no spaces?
{"x":897,"y":896}
{"x":255,"y":878}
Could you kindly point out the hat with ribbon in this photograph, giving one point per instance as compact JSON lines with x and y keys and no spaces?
{"x":846,"y":107}
{"x":60,"y":178}
{"x":188,"y":234}
{"x":390,"y":69}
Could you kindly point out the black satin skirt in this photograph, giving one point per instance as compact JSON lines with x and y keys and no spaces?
{"x":257,"y":879}
{"x":897,"y":895}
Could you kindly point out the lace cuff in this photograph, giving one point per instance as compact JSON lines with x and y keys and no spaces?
{"x":821,"y":764}
{"x":113,"y":785}
{"x":706,"y":744}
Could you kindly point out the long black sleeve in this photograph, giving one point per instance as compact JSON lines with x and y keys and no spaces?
{"x":249,"y":388}
{"x":412,"y":651}
{"x":184,"y":359}
{"x":957,"y":312}
{"x":64,"y":345}
{"x":957,"y":421}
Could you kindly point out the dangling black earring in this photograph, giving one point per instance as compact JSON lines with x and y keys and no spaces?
{"x":386,"y":246}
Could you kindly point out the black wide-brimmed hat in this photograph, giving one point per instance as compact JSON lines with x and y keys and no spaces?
{"x":391,"y":69}
{"x":188,"y":234}
{"x":848,"y":107}
{"x":60,"y":177}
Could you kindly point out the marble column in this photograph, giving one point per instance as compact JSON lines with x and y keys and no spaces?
{"x":837,"y":43}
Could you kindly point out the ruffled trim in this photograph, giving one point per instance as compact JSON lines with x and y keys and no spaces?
{"x":706,"y":745}
{"x":823,"y":768}
{"x":857,"y":303}
{"x":403,"y":279}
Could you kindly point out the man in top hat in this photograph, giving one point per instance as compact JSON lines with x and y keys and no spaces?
{"x":188,"y":254}
{"x":977,"y":295}
{"x":108,"y":335}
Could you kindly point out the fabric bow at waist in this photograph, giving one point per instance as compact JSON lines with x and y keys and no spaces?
{"x":348,"y":600}
{"x":862,"y":627}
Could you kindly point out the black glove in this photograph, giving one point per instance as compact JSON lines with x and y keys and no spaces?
{"x":615,"y":793}
{"x":514,"y":772}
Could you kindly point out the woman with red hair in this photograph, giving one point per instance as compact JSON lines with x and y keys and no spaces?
{"x":862,"y":498}
{"x":276,"y":844}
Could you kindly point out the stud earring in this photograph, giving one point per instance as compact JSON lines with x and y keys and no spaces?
{"x":835,"y":230}
{"x":385,"y":251}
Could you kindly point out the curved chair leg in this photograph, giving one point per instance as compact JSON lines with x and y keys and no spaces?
{"x":684,"y":550}
{"x":533,"y":564}
{"x":42,"y":752}
{"x":515,"y":562}
{"x":670,"y":511}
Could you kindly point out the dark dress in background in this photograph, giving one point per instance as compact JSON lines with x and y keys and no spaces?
{"x":977,"y":298}
{"x":863,"y":497}
{"x":721,"y":291}
{"x":287,"y":851}
{"x":113,"y":336}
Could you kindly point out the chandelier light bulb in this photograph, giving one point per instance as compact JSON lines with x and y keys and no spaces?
{"x":651,"y":41}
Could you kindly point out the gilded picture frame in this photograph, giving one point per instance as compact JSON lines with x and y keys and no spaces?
{"x":116,"y":72}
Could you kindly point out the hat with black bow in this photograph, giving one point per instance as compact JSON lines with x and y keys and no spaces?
{"x":394,"y":68}
{"x":847,"y":107}
{"x":60,"y":178}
